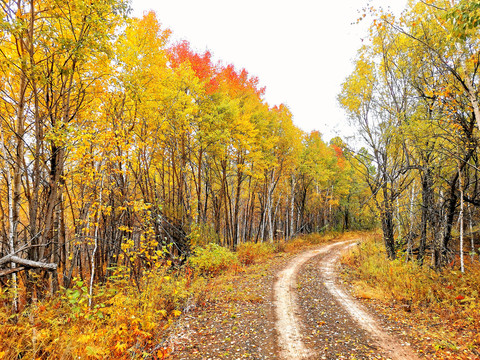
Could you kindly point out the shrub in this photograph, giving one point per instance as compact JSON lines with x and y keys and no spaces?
{"x":302,"y":241}
{"x":295,"y":245}
{"x":316,"y":239}
{"x":213,"y":259}
{"x":249,"y":252}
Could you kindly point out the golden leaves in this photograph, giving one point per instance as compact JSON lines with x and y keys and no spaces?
{"x":120,"y":347}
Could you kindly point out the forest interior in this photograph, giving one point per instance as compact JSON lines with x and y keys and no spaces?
{"x":146,"y":187}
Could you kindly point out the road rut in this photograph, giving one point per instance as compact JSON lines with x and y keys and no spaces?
{"x":312,"y":326}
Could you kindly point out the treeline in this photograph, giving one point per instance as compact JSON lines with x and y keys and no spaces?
{"x":414,"y":97}
{"x":120,"y":149}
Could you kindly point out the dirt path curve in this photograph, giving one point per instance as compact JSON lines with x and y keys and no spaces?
{"x":290,"y":327}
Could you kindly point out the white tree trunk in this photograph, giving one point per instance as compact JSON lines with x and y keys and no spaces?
{"x":472,"y":241}
{"x":292,"y":207}
{"x":11,"y":227}
{"x":409,"y":245}
{"x":269,"y":216}
{"x":95,"y":247}
{"x":473,"y":99}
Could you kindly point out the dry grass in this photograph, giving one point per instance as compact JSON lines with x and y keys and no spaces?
{"x":442,"y":308}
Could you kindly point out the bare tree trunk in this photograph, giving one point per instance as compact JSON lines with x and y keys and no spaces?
{"x":472,"y":96}
{"x":17,"y":165}
{"x":410,"y":235}
{"x":388,"y":236}
{"x":399,"y":224}
{"x":426,"y":209}
{"x":292,"y":207}
{"x":269,"y":205}
{"x":460,"y":218}
{"x":11,"y":229}
{"x":200,"y":216}
{"x":472,"y":241}
{"x":387,"y":221}
{"x":236,"y":210}
{"x":437,"y":224}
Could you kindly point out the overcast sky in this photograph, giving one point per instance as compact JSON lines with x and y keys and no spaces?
{"x":300,"y":50}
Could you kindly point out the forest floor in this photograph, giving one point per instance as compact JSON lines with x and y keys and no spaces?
{"x":291,"y":307}
{"x":314,"y":297}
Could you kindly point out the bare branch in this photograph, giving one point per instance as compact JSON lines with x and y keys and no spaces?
{"x":27,"y":263}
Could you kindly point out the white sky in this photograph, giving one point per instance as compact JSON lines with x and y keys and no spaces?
{"x":301,"y":50}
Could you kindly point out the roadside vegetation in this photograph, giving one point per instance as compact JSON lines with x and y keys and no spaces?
{"x":438,"y":310}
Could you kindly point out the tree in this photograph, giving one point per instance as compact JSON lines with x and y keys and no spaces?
{"x":413,"y":94}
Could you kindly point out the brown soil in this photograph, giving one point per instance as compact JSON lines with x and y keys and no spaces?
{"x":232,"y":329}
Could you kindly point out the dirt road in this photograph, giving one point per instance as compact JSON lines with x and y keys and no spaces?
{"x":317,"y":319}
{"x":298,"y":311}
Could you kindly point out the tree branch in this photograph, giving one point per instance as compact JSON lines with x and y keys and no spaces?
{"x":11,"y":271}
{"x":27,"y":263}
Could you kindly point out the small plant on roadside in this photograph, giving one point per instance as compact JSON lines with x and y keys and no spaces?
{"x":212,"y":260}
{"x":250,"y":253}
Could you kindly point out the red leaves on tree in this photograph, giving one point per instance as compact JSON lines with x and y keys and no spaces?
{"x":339,"y":154}
{"x":201,"y":64}
{"x":232,"y":80}
{"x":338,"y":151}
{"x":239,"y":81}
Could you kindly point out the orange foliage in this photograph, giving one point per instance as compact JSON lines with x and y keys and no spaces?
{"x":201,"y":64}
{"x":340,"y":158}
{"x":239,"y":81}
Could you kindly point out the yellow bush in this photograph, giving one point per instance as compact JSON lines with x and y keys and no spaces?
{"x":212,"y":260}
{"x":409,"y":281}
{"x":250,"y":253}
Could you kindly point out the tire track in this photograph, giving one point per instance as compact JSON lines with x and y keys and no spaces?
{"x":390,"y":345}
{"x":289,"y":325}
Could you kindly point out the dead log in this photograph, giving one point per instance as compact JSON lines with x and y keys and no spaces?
{"x":27,"y":263}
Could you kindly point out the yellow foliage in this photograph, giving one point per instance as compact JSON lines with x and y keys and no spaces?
{"x":122,"y":321}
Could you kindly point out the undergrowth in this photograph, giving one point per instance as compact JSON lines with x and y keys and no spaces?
{"x":123,"y":322}
{"x":212,"y":260}
{"x":443,"y":307}
{"x":251,"y":253}
{"x":130,"y":319}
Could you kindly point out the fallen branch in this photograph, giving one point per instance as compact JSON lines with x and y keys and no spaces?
{"x":27,"y":263}
{"x":11,"y":271}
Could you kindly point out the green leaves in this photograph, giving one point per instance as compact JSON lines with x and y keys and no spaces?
{"x":77,"y":297}
{"x":465,"y":17}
